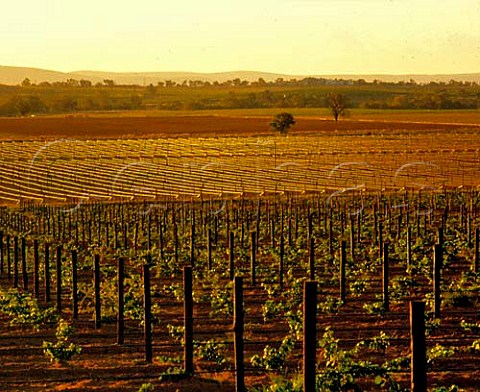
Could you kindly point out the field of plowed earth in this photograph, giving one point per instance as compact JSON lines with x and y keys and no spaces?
{"x":362,"y":207}
{"x":111,"y":125}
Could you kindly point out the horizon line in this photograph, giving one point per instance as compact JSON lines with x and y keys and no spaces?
{"x":382,"y":73}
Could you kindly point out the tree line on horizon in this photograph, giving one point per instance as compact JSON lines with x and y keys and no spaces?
{"x":83,"y":95}
{"x":260,"y":82}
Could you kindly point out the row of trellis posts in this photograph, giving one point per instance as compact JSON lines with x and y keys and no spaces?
{"x":417,"y":309}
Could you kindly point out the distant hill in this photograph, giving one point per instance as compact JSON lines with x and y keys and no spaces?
{"x":15,"y":75}
{"x":146,"y":78}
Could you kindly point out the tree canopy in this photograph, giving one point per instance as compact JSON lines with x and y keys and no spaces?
{"x":282,"y":122}
{"x":337,"y":104}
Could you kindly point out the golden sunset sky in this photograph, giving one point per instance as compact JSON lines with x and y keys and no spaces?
{"x":297,"y":37}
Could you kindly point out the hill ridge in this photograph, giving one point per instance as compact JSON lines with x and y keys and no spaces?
{"x":11,"y":75}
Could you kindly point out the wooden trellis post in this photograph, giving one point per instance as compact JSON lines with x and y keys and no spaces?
{"x":36,"y":266}
{"x":312,"y":258}
{"x":120,"y":301}
{"x":96,"y":283}
{"x":231,"y":254}
{"x":74,"y":285}
{"x":59,"y":278}
{"x":15,"y":262}
{"x":309,"y":334}
{"x":253,"y":258}
{"x":24,"y":264}
{"x":238,"y":326}
{"x":385,"y":278}
{"x":188,"y":319}
{"x":477,"y":250}
{"x":437,"y":268}
{"x":418,"y":366}
{"x":343,"y":262}
{"x":47,"y":274}
{"x":147,"y":315}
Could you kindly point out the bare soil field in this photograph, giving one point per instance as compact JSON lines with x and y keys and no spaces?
{"x":99,"y":127}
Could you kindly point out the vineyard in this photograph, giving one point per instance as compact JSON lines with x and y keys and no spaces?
{"x":196,"y":263}
{"x":77,"y":171}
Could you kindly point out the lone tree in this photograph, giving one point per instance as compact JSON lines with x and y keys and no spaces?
{"x":282,"y":122}
{"x":337,"y":104}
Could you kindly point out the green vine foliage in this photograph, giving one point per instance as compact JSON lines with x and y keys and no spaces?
{"x":62,"y":350}
{"x":471,"y":327}
{"x":147,"y":387}
{"x":282,"y":384}
{"x":439,"y":352}
{"x":274,"y":358}
{"x":343,"y":372}
{"x":475,"y":347}
{"x":210,"y":351}
{"x":23,"y":308}
{"x":378,"y":343}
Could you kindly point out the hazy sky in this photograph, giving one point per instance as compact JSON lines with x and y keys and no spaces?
{"x":288,"y":36}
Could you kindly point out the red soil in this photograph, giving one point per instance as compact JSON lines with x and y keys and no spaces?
{"x":85,"y":127}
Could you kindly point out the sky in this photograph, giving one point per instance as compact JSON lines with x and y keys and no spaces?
{"x":296,"y":37}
